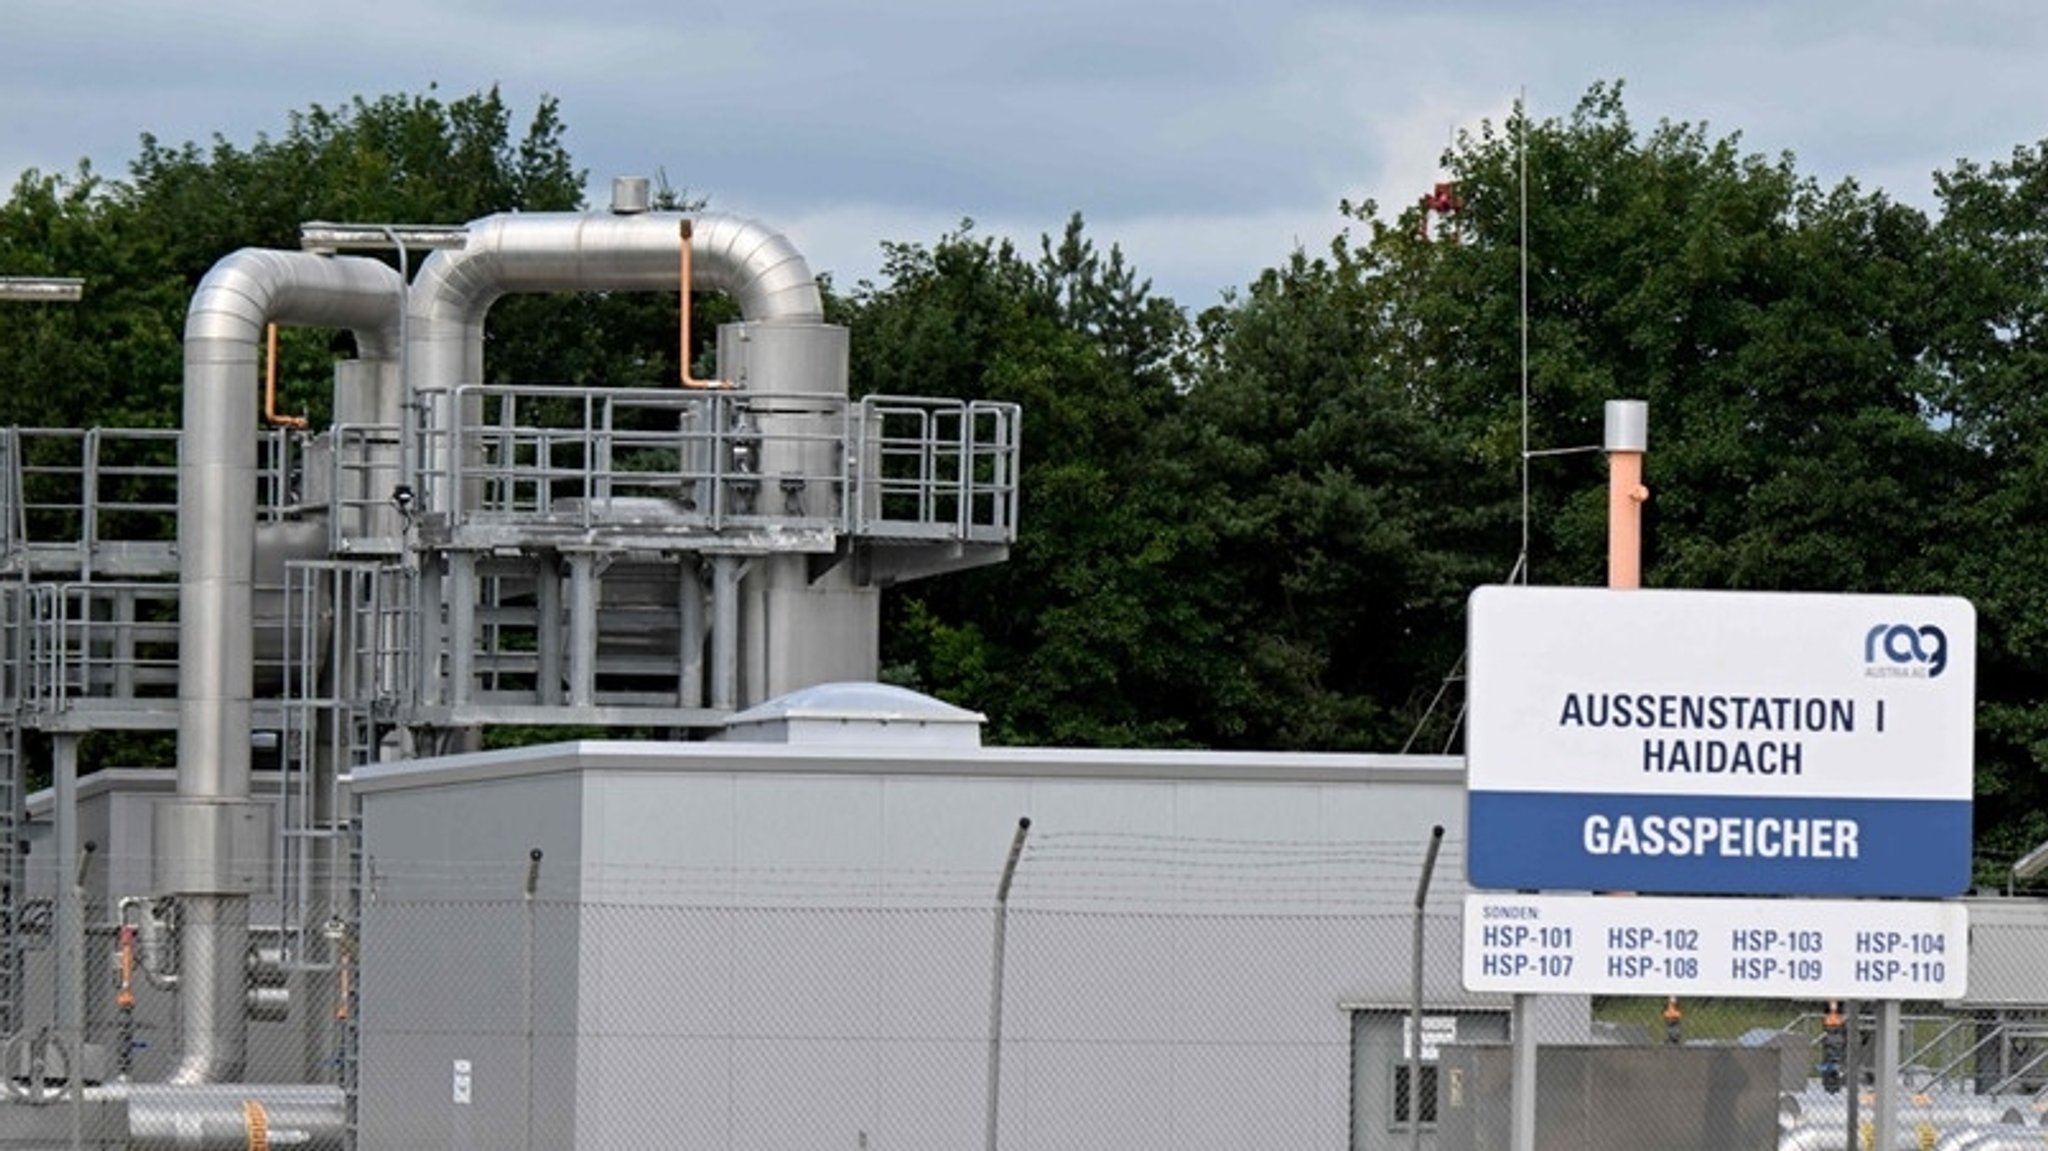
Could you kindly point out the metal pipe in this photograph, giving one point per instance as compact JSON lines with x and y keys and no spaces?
{"x":582,"y":628}
{"x":995,"y":995}
{"x":268,"y":1004}
{"x":270,"y":413}
{"x":217,"y":479}
{"x":564,"y":251}
{"x":547,"y":606}
{"x":1627,"y":437}
{"x":218,"y":1117}
{"x":1436,"y":841}
{"x":240,"y":295}
{"x":459,"y":594}
{"x":725,"y":632}
{"x":69,"y":922}
{"x":690,"y":676}
{"x":150,"y":944}
{"x":212,"y":935}
{"x":42,"y":289}
{"x":683,"y":350}
{"x":1885,"y":1124}
{"x":1852,"y":1072}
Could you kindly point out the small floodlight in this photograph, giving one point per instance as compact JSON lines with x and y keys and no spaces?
{"x":48,"y":289}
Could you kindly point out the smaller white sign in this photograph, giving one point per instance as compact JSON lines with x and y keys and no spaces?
{"x":1810,"y":949}
{"x":461,"y":1087}
{"x":1437,"y":1030}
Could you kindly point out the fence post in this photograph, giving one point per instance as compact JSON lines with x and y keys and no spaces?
{"x":1436,"y":840}
{"x":526,"y":980}
{"x":995,"y":994}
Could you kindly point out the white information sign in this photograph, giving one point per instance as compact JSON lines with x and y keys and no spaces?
{"x":1763,"y":948}
{"x":1437,"y":1032}
{"x":1720,"y":743}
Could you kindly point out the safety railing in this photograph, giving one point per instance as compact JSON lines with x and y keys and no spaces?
{"x":14,"y":625}
{"x":13,"y":526}
{"x":73,"y":490}
{"x":362,"y":486}
{"x":99,"y":640}
{"x":86,"y":499}
{"x":911,"y":468}
{"x":938,"y":466}
{"x":348,"y":630}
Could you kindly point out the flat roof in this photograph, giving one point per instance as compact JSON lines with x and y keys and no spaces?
{"x":881,"y":759}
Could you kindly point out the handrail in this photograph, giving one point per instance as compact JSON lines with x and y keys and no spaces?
{"x":723,"y":461}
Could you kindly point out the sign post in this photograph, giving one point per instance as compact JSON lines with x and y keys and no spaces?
{"x":1717,"y":744}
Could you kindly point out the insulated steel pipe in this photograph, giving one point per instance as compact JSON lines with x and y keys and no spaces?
{"x":211,"y":817}
{"x":230,"y":1117}
{"x":567,"y":251}
{"x":224,"y":329}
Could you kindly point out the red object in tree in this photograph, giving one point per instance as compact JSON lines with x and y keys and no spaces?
{"x":1442,"y":200}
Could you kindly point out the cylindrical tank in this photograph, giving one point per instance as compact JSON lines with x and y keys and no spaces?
{"x":792,"y":380}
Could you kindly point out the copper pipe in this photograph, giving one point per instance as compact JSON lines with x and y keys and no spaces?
{"x":1627,"y":436}
{"x":256,"y":1124}
{"x":341,"y":1007}
{"x":683,"y":352}
{"x":1625,"y":496}
{"x":125,"y":997}
{"x":270,"y":415}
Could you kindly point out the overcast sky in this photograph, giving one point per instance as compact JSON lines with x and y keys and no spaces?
{"x":1208,"y":138}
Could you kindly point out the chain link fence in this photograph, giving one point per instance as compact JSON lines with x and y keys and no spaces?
{"x":1152,"y":992}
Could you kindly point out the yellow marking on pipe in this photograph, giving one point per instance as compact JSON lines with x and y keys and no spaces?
{"x":256,"y":1121}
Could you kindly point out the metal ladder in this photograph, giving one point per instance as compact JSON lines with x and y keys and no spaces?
{"x":338,"y":658}
{"x":11,"y":795}
{"x":13,"y":798}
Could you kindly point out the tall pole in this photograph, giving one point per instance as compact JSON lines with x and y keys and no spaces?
{"x":1852,"y":1072}
{"x":1885,"y":1124}
{"x":531,"y":888}
{"x":1627,"y":437}
{"x":1436,"y":840}
{"x":995,"y":994}
{"x":70,"y":927}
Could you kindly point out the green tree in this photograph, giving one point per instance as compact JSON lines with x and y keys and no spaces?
{"x":1774,"y":328}
{"x":1987,"y":381}
{"x":1077,"y":639}
{"x":1327,"y":513}
{"x":143,"y":244}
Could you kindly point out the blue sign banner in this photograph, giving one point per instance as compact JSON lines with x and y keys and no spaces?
{"x":1720,"y":743}
{"x":1718,"y":845}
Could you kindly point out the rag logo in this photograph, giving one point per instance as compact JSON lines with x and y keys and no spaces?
{"x":1902,"y":650}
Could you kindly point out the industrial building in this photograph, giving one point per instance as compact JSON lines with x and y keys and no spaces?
{"x":344,"y":921}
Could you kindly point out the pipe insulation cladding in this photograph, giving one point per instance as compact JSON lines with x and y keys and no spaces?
{"x":758,"y":267}
{"x":217,"y":464}
{"x":208,"y":828}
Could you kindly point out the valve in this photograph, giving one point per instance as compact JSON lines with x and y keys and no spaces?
{"x":1834,"y":1047}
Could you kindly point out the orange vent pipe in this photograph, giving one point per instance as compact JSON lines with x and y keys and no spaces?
{"x":270,"y":414}
{"x":683,"y":352}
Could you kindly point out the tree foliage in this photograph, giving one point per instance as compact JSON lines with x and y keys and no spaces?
{"x":1258,"y":528}
{"x":143,"y":244}
{"x":1083,"y":624}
